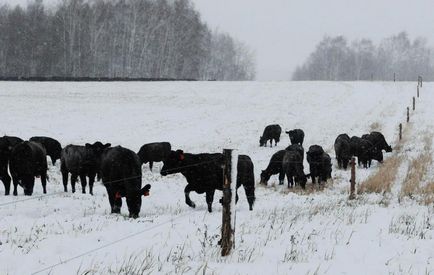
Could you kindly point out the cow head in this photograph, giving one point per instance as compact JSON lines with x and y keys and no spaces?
{"x":301,"y":180}
{"x":56,"y":155}
{"x":388,"y":149}
{"x":265,"y":176}
{"x":135,"y":201}
{"x":376,"y":154}
{"x":94,"y":152}
{"x":27,"y":182}
{"x":174,"y":163}
{"x":262,"y":141}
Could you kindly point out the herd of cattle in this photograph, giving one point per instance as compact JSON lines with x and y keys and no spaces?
{"x":120,"y":169}
{"x":289,"y":162}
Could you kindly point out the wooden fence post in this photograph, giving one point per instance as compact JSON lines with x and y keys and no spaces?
{"x":408,"y":114}
{"x":226,"y":241}
{"x":394,"y":77}
{"x":353,"y":179}
{"x":414,"y":103}
{"x":418,"y":91}
{"x":421,"y":81}
{"x":400,"y":131}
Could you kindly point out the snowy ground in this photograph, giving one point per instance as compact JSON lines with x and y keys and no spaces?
{"x":310,"y":233}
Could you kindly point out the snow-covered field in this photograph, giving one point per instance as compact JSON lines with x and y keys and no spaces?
{"x":319,"y":232}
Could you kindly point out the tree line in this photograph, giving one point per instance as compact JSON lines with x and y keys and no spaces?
{"x":396,"y":57}
{"x":118,"y":38}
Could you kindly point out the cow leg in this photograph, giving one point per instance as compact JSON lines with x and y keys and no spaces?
{"x":73,"y":181}
{"x":6,"y":179}
{"x":188,"y":201}
{"x":83,"y":183}
{"x":134,"y":205}
{"x":290,"y":182}
{"x":250,"y":194}
{"x":65,"y":181}
{"x":117,"y":204}
{"x":210,"y":199}
{"x":91,"y":182}
{"x":15,"y":181}
{"x":44,"y":182}
{"x":151,"y":163}
{"x":64,"y":176}
{"x":281,"y":177}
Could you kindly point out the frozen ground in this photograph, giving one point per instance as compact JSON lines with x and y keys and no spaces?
{"x":287,"y":233}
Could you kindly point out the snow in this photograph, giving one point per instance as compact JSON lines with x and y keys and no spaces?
{"x":318,"y":232}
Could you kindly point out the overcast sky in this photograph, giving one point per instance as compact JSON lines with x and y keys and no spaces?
{"x":283,"y":32}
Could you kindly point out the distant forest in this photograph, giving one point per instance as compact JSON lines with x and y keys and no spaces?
{"x":118,"y":38}
{"x":335,"y":59}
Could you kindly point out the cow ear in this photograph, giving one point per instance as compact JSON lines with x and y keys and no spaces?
{"x":107,"y":145}
{"x":287,"y":132}
{"x":88,"y":145}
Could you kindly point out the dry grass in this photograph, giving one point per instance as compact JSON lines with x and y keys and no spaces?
{"x":427,"y":194}
{"x":417,"y":169}
{"x":382,"y":181}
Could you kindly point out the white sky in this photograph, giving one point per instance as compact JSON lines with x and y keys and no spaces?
{"x":283,"y":32}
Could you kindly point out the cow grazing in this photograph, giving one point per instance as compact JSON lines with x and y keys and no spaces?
{"x":157,"y":151}
{"x":204,"y":174}
{"x":271,"y":132}
{"x":246,"y":178}
{"x":81,"y":161}
{"x":28,"y":160}
{"x":7,"y":143}
{"x":365,"y":151}
{"x":378,"y":140}
{"x":343,"y":150}
{"x":121,"y":175}
{"x":292,"y":166}
{"x":52,"y":146}
{"x":298,"y":148}
{"x":319,"y":164}
{"x":274,"y":167}
{"x":296,"y":136}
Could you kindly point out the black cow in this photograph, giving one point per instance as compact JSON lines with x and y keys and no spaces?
{"x":319,"y":164}
{"x":81,"y":161}
{"x":298,"y":148}
{"x":270,"y":132}
{"x":274,"y":167}
{"x":296,"y":136}
{"x":365,"y":151}
{"x":203,"y":172}
{"x":343,"y":150}
{"x":157,"y":151}
{"x":246,"y":178}
{"x":378,"y":140}
{"x":13,"y":140}
{"x":121,"y":174}
{"x":52,"y":146}
{"x":292,"y":166}
{"x":28,"y":160}
{"x":7,"y":143}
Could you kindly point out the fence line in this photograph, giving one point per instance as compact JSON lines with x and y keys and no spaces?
{"x":109,"y":244}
